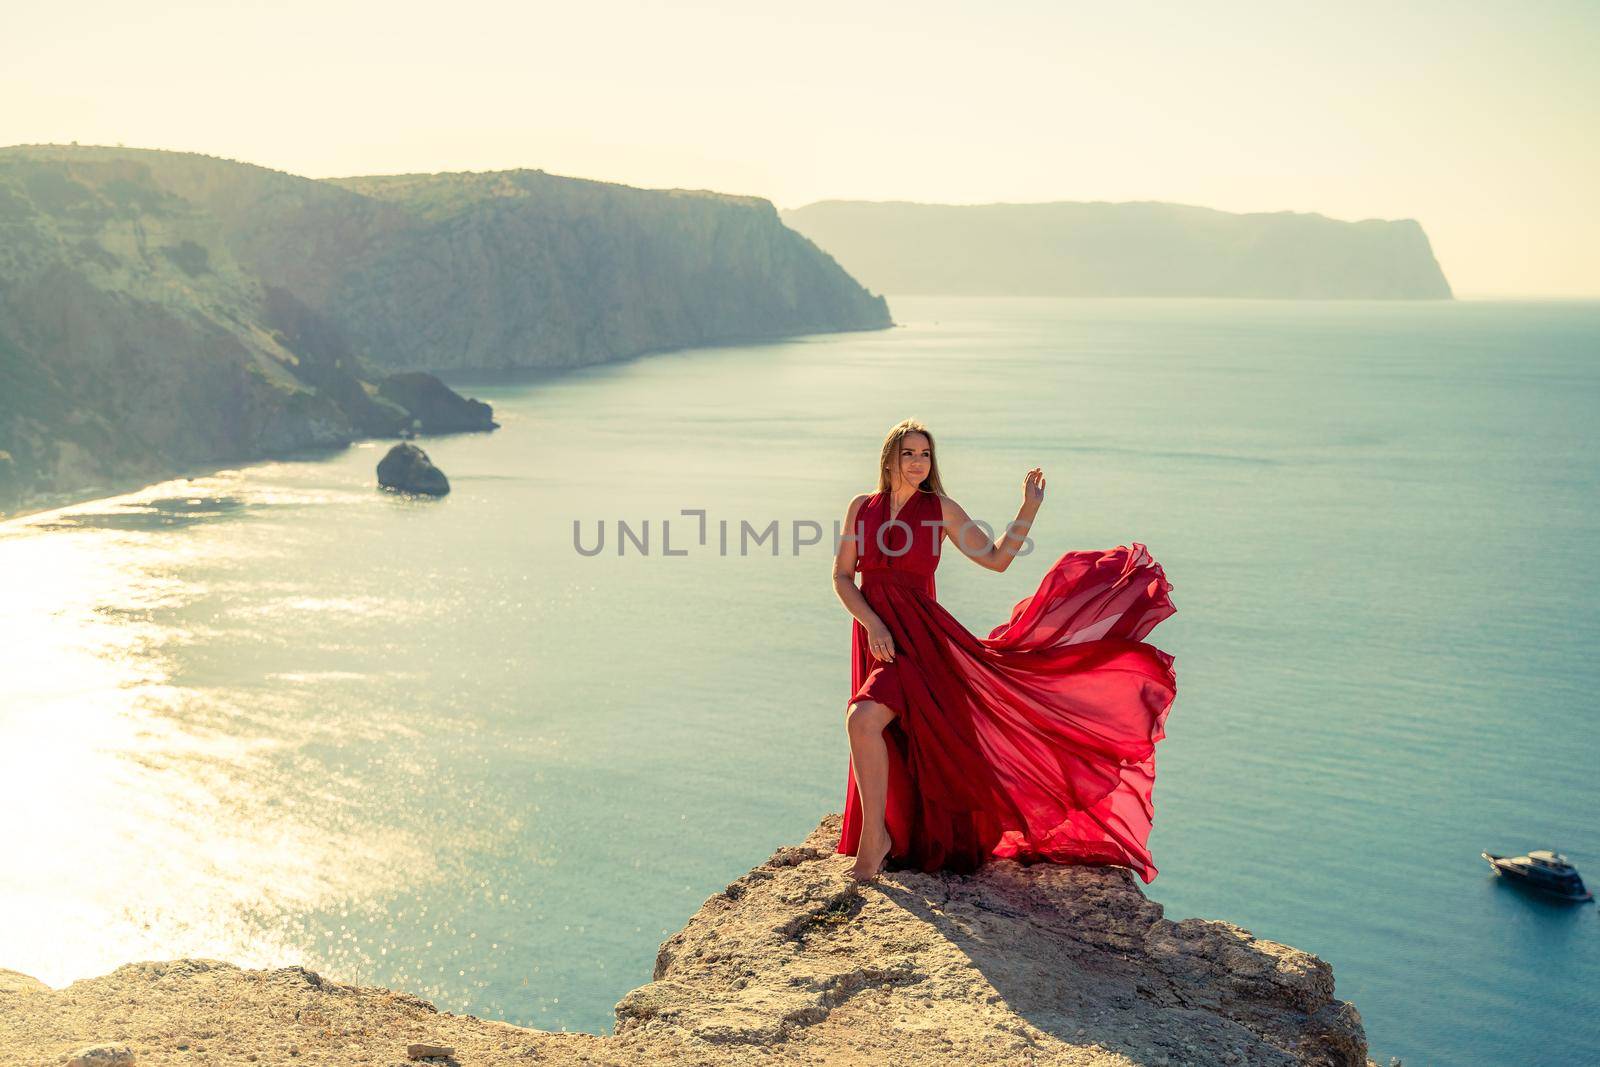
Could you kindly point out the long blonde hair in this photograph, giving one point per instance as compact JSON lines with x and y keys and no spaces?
{"x":890,"y":457}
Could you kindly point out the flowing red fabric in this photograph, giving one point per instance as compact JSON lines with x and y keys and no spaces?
{"x":1035,"y":743}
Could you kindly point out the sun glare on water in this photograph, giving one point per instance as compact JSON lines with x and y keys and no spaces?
{"x":143,"y":816}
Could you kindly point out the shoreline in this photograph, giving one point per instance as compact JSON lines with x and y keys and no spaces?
{"x":37,"y":504}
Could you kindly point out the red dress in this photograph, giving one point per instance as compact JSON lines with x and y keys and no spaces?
{"x":1034,"y":743}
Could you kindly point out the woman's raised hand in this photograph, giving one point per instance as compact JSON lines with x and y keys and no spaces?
{"x":1033,"y":488}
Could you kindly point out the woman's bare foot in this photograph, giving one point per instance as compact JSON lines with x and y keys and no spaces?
{"x":870,"y":854}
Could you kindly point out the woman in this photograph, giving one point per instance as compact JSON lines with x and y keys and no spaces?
{"x":1034,"y":743}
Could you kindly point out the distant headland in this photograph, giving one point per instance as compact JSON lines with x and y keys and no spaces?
{"x":1139,"y":248}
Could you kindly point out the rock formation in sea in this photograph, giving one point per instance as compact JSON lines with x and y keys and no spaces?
{"x":163,"y":310}
{"x":1139,"y":248}
{"x":791,"y":963}
{"x":408,"y":469}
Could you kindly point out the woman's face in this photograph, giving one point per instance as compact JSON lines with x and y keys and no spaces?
{"x":916,"y":458}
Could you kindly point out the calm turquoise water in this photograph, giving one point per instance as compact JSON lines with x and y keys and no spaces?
{"x":275,"y":716}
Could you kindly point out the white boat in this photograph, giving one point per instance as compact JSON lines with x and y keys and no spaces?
{"x":1543,"y":869}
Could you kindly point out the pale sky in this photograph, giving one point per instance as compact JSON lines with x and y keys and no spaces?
{"x":1479,"y":119}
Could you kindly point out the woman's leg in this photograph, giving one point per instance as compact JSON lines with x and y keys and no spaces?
{"x":869,"y":758}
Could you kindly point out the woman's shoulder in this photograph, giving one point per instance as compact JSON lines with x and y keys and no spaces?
{"x":949,"y":510}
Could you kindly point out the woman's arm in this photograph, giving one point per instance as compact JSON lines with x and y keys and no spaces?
{"x":879,"y":640}
{"x":844,"y":568}
{"x":968,"y":535}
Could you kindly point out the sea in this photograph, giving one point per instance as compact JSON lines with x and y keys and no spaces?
{"x":493,"y":748}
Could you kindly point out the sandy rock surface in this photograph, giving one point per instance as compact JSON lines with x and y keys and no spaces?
{"x":792,"y":963}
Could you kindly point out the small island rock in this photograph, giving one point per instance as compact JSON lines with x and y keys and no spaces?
{"x":408,"y":469}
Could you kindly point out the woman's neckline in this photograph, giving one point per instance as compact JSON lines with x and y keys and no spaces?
{"x":888,"y":503}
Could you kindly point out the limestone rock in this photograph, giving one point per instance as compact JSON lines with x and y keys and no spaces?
{"x":409,"y":469}
{"x":419,"y":1051}
{"x":103,"y":1056}
{"x":793,"y":963}
{"x":17,"y":982}
{"x":1008,"y":963}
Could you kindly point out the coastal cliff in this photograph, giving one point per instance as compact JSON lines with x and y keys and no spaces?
{"x":1140,"y":248}
{"x":791,"y":963}
{"x":163,"y":310}
{"x":521,"y":268}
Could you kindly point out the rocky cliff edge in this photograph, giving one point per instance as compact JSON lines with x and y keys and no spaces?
{"x":792,"y":963}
